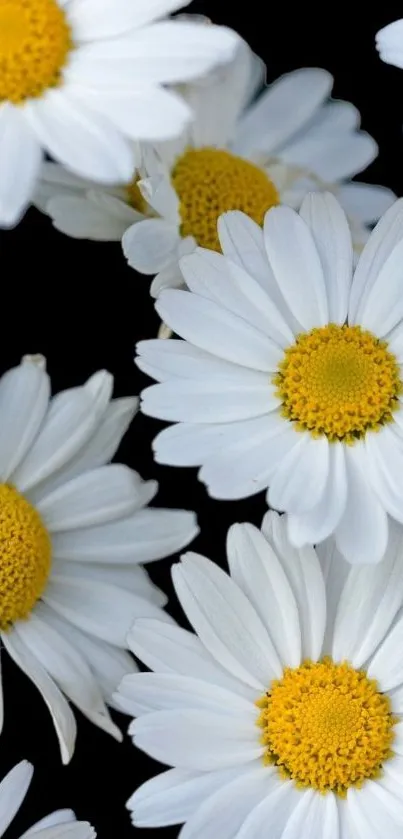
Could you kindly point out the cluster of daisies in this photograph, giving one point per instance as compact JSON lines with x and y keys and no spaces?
{"x":280,"y":711}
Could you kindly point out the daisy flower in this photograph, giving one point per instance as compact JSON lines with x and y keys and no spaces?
{"x":80,"y":77}
{"x":290,"y":376}
{"x":240,"y":154}
{"x":73,"y":532}
{"x":281,"y":716}
{"x":61,"y":824}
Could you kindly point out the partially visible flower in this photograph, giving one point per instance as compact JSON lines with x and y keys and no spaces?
{"x":74,"y":532}
{"x":61,"y":824}
{"x":79,"y":78}
{"x":281,"y":714}
{"x":389,"y":42}
{"x":290,"y":376}
{"x":242,"y":153}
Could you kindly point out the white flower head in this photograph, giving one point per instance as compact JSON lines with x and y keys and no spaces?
{"x":282,"y":715}
{"x":61,"y":824}
{"x":250,"y":154}
{"x":290,"y":375}
{"x":74,"y":532}
{"x":81,"y":79}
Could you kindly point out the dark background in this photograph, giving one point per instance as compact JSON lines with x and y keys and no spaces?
{"x":78,"y":304}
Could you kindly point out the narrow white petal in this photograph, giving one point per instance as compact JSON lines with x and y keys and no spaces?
{"x":300,"y":479}
{"x":332,"y":237}
{"x":97,"y":608}
{"x":369,"y":818}
{"x":272,"y":813}
{"x":212,"y":328}
{"x":92,"y":19}
{"x":72,"y":417}
{"x":365,"y":202}
{"x":13,"y":789}
{"x":151,"y":245}
{"x":144,"y":693}
{"x":224,"y":812}
{"x":96,"y":497}
{"x":166,"y":360}
{"x":257,"y":571}
{"x":148,"y":535}
{"x":24,"y":397}
{"x":315,"y":817}
{"x":197,"y":739}
{"x":297,"y":268}
{"x":306,"y":580}
{"x":386,"y":666}
{"x":20,"y":161}
{"x":383,"y":307}
{"x":56,"y":818}
{"x":335,"y":570}
{"x":167,"y":648}
{"x":67,"y":830}
{"x":225,"y":621}
{"x":62,"y":715}
{"x":362,"y":532}
{"x":387,"y":234}
{"x":210,"y":400}
{"x":88,"y":217}
{"x":317,"y":524}
{"x":174,"y":796}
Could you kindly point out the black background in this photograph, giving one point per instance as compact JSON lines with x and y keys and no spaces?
{"x":78,"y":304}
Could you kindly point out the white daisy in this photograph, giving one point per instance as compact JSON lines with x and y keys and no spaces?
{"x":389,"y":42}
{"x":61,"y":824}
{"x":290,"y":376}
{"x":282,"y":715}
{"x":250,"y":157}
{"x":79,"y":77}
{"x":73,"y":532}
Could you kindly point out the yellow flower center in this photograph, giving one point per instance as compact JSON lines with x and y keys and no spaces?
{"x":134,"y":196}
{"x":25,"y":556}
{"x":211,"y":181}
{"x":340,"y":381}
{"x":326,"y":726}
{"x":35,"y":40}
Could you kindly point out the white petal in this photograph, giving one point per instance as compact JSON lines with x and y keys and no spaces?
{"x":150,"y":245}
{"x":166,"y":360}
{"x":88,"y":217}
{"x":365,"y":202}
{"x":167,"y":648}
{"x":67,"y":830}
{"x":147,"y":535}
{"x":92,"y":19}
{"x":210,"y":400}
{"x":13,"y":789}
{"x":387,"y":234}
{"x":384,"y":452}
{"x":295,"y":261}
{"x":362,"y":532}
{"x":225,"y":621}
{"x":224,"y":812}
{"x":317,"y":524}
{"x":211,"y":275}
{"x":100,"y":449}
{"x":212,"y":328}
{"x":96,"y":497}
{"x":306,"y":580}
{"x":255,"y":568}
{"x":72,"y":417}
{"x":62,"y":715}
{"x":369,"y":818}
{"x":247,"y":456}
{"x":300,"y":479}
{"x":173,"y":796}
{"x":82,"y":140}
{"x":97,"y":608}
{"x":56,"y":818}
{"x":330,"y":230}
{"x":158,"y":191}
{"x":383,"y":307}
{"x":386,"y":666}
{"x":285,"y":107}
{"x":389,"y":42}
{"x":272,"y":813}
{"x":197,"y":739}
{"x":315,"y":817}
{"x":337,"y":158}
{"x":132,"y":578}
{"x":24,"y":396}
{"x":20,"y":161}
{"x":145,"y":693}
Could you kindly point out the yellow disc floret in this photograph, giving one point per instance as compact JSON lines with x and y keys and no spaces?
{"x":25,"y":556}
{"x":211,"y":181}
{"x":326,"y":726}
{"x":35,"y":40}
{"x":340,"y":381}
